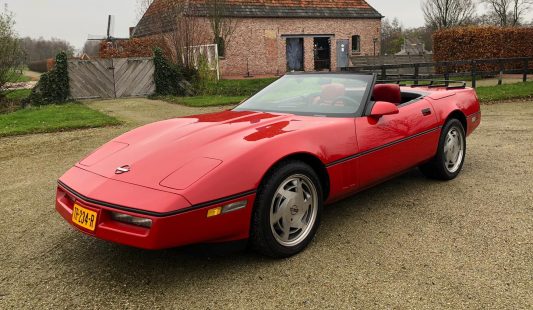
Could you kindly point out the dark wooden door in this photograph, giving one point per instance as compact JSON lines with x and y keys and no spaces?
{"x":295,"y":54}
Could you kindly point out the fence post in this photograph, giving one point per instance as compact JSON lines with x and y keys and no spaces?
{"x":526,"y":69}
{"x":446,"y":74}
{"x":417,"y":73}
{"x":500,"y":77}
{"x":383,"y":73}
{"x":474,"y":73}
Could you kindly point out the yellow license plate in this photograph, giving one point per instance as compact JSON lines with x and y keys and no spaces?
{"x":84,"y":218}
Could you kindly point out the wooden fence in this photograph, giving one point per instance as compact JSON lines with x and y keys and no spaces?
{"x":447,"y":69}
{"x":390,"y":59}
{"x":111,"y":78}
{"x":359,"y":61}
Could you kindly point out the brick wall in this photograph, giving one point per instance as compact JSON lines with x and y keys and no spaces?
{"x":262,"y":42}
{"x":259,"y":40}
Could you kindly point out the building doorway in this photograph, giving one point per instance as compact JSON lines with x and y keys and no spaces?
{"x":343,"y":50}
{"x":322,"y":50}
{"x":295,"y":54}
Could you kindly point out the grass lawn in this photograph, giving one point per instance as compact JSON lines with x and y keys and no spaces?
{"x":244,"y":87}
{"x":231,"y":92}
{"x":18,"y":95}
{"x":203,"y":101}
{"x":17,"y":78}
{"x":221,"y":93}
{"x":505,"y":92}
{"x":52,"y":118}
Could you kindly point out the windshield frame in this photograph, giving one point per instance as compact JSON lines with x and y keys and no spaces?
{"x":358,"y":113}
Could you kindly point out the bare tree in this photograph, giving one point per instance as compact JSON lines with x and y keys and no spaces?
{"x":182,"y":30}
{"x":448,"y":13}
{"x":222,"y":24}
{"x":142,"y":7}
{"x":91,"y":48}
{"x":519,"y":7}
{"x":41,"y":49}
{"x":509,"y":12}
{"x":11,"y":55}
{"x":392,"y":36}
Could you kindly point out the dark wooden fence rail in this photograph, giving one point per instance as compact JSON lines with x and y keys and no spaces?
{"x":448,"y":69}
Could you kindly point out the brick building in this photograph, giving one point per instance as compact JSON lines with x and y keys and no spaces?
{"x":276,"y":36}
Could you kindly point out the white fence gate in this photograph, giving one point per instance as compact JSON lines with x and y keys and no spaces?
{"x":210,"y":53}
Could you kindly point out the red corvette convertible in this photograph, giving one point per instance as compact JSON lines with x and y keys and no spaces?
{"x":264,"y":170}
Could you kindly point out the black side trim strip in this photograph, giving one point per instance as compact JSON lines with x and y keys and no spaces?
{"x":150,"y":213}
{"x":379,"y":148}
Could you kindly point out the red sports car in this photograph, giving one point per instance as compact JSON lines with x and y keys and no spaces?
{"x":264,"y":170}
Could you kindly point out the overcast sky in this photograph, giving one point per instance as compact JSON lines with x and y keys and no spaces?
{"x":73,"y":20}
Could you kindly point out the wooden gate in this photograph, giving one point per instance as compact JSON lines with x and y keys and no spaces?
{"x":111,"y":78}
{"x":91,"y":79}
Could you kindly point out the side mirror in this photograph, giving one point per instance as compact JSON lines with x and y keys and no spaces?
{"x":382,"y":108}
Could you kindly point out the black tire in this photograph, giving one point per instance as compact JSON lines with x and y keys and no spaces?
{"x":264,"y":237}
{"x":438,"y":168}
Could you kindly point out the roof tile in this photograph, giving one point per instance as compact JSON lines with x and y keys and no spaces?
{"x":158,"y":13}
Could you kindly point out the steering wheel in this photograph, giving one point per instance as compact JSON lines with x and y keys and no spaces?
{"x":344,"y":100}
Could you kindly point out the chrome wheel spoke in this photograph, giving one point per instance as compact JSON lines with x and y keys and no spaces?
{"x":276,"y":217}
{"x":286,"y":231}
{"x":287,"y":194}
{"x":299,"y":220}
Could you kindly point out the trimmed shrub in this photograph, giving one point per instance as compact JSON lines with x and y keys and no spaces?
{"x":53,"y":87}
{"x":40,"y":66}
{"x":469,"y":43}
{"x":137,"y":47}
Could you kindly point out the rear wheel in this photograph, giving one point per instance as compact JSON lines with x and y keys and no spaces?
{"x":451,"y":153}
{"x":287,"y":210}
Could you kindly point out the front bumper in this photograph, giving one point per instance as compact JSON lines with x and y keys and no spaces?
{"x":168,"y":230}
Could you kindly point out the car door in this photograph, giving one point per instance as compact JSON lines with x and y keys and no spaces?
{"x":392,"y":144}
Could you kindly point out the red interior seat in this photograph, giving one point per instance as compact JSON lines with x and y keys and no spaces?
{"x":388,"y":93}
{"x":330,"y":93}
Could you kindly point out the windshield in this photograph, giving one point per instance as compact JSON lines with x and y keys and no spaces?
{"x":313,"y":94}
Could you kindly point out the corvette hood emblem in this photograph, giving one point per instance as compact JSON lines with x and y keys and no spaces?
{"x":123,"y":169}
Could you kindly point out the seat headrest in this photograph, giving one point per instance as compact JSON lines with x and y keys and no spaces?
{"x":388,"y":93}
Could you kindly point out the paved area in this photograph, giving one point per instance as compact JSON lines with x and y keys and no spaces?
{"x":409,"y":243}
{"x":21,"y":85}
{"x":34,"y":76}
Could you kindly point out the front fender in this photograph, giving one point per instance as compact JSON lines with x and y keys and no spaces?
{"x":328,"y":139}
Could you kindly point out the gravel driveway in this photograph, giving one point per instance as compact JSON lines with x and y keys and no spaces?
{"x":409,"y":243}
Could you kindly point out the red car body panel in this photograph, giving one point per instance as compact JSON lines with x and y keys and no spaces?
{"x":181,"y":168}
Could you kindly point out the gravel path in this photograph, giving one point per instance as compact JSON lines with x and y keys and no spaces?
{"x":409,"y":243}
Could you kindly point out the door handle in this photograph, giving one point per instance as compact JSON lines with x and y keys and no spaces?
{"x":426,"y":112}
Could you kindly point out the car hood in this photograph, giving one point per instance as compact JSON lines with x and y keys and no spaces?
{"x":174,"y":154}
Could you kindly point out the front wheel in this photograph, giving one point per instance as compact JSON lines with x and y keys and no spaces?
{"x":451,"y":153}
{"x":287,"y":210}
